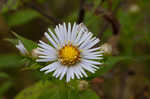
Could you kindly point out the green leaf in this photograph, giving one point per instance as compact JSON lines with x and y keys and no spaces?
{"x":13,"y":41}
{"x":35,"y":91}
{"x":54,"y":93}
{"x":88,"y":94}
{"x":111,"y":61}
{"x":29,"y":44}
{"x":10,"y":61}
{"x":96,"y":4}
{"x":10,"y":5}
{"x":73,"y":94}
{"x":4,"y":75}
{"x":55,"y":90}
{"x":21,"y":17}
{"x":4,"y":87}
{"x":33,"y":66}
{"x":108,"y":65}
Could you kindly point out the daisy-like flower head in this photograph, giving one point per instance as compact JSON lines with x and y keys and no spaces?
{"x":71,"y":51}
{"x":21,"y":48}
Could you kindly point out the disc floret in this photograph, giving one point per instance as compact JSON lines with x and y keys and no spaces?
{"x":69,"y":55}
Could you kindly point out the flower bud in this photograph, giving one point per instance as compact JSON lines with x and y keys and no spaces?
{"x":134,"y":8}
{"x":83,"y":85}
{"x":107,"y":48}
{"x":21,"y":48}
{"x":83,"y":27}
{"x":34,"y":53}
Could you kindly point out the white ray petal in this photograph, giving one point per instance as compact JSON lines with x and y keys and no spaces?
{"x":51,"y":70}
{"x":71,"y":72}
{"x":78,"y":36}
{"x":43,"y":46}
{"x":50,"y":66}
{"x":46,"y":60}
{"x":78,"y":69}
{"x":83,"y":38}
{"x":69,"y":32}
{"x":92,"y":53}
{"x":87,"y":67}
{"x":53,"y":35}
{"x":58,"y":35}
{"x":86,"y":41}
{"x":62,"y":34}
{"x":46,"y":52}
{"x":92,"y":43}
{"x":76,"y":72}
{"x":51,"y":40}
{"x":42,"y":52}
{"x":59,"y":71}
{"x":92,"y":62}
{"x":63,"y":72}
{"x":48,"y":56}
{"x":40,"y":49}
{"x":96,"y":53}
{"x":91,"y":65}
{"x":89,"y":57}
{"x":64,"y":29}
{"x":68,"y":74}
{"x":83,"y":72}
{"x":93,"y":50}
{"x":96,"y":67}
{"x":73,"y":28}
{"x":74,"y":33}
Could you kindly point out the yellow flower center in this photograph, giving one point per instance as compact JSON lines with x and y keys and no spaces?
{"x":69,"y":55}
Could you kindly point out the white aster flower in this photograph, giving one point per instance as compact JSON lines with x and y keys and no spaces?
{"x":71,"y":51}
{"x":21,"y":48}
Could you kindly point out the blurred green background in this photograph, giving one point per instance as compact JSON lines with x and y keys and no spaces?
{"x":124,"y":24}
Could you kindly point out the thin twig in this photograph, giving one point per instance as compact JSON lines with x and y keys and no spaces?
{"x":110,"y":18}
{"x":114,"y":22}
{"x":81,"y":11}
